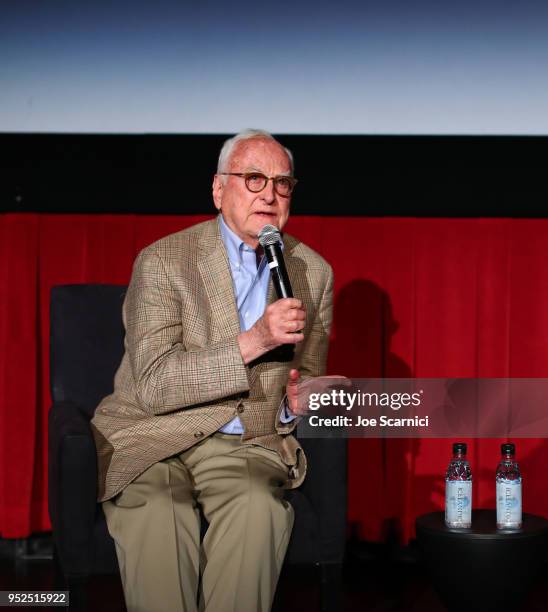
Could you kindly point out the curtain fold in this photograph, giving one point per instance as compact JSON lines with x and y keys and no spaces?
{"x":413,"y":297}
{"x":19,"y":374}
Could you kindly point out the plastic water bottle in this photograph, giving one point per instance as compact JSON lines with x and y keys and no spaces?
{"x":458,"y":490}
{"x":508,"y":490}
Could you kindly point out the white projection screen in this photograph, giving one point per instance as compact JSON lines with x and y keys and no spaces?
{"x":310,"y":67}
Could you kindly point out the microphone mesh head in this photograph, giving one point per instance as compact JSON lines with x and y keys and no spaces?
{"x":270,"y":234}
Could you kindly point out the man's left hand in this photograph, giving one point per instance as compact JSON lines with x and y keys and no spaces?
{"x":292,"y":391}
{"x":298,"y":405}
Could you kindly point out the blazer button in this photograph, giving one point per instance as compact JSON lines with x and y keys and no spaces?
{"x":240,"y":408}
{"x":199,"y":434}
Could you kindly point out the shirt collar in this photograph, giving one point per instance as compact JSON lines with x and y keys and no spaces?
{"x":233,"y":243}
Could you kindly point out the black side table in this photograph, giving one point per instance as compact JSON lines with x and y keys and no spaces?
{"x":482,"y":568}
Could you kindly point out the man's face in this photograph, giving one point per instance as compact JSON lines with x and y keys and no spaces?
{"x":246,"y":212}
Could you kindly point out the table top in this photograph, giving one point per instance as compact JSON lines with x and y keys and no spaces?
{"x":483,"y":526}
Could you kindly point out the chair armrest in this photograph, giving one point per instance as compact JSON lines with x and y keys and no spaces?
{"x":72,"y":494}
{"x":325,"y":487}
{"x":68,"y":419}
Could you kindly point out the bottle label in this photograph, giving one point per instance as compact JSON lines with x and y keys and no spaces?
{"x":458,"y":502}
{"x":509,"y":503}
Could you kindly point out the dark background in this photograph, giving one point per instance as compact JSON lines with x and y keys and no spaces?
{"x":433,"y":176}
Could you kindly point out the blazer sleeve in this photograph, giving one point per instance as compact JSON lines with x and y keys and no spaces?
{"x":168,"y":377}
{"x":314,"y":356}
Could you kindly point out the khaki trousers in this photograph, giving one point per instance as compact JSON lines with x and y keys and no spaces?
{"x":155,"y":524}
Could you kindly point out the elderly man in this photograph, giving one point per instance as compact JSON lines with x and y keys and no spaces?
{"x":204,"y":400}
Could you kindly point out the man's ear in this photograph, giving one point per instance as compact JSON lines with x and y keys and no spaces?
{"x":217,"y":190}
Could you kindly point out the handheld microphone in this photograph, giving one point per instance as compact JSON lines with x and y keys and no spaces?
{"x":271,"y":241}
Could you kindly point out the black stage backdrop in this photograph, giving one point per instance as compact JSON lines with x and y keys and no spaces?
{"x":434,"y":176}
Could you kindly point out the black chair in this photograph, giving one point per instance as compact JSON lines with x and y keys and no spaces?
{"x":86,"y":347}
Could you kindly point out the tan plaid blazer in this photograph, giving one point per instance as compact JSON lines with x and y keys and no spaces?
{"x":182,"y":376}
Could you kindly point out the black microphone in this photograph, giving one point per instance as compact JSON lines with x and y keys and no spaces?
{"x":271,"y":241}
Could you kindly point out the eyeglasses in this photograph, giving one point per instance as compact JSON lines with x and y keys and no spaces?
{"x":256,"y":181}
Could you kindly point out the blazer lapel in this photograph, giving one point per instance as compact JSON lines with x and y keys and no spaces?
{"x":215,"y":272}
{"x":214,"y":269}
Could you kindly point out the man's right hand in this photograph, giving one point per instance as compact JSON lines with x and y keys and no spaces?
{"x":281,"y":323}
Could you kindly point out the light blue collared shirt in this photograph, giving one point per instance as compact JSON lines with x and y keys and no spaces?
{"x":250,"y":291}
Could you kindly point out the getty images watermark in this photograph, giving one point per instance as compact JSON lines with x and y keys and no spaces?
{"x":424,"y":407}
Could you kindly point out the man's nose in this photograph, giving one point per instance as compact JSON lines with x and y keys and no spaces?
{"x":268,"y":193}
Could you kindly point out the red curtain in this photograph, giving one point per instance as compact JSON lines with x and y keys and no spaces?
{"x":414,"y":297}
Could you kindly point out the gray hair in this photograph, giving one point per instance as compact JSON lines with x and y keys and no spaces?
{"x":228,"y":147}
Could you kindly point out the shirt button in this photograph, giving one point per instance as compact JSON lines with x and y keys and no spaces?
{"x":199,"y":434}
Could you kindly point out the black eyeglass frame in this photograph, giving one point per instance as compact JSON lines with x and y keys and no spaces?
{"x":247,"y":175}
